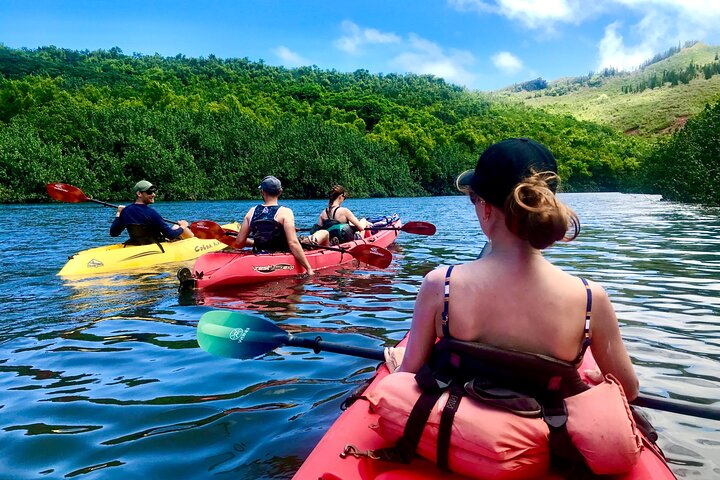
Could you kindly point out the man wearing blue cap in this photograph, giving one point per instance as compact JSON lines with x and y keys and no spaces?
{"x":144,"y":224}
{"x":272,"y":226}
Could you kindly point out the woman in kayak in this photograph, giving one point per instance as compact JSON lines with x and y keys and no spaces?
{"x":514,"y":298}
{"x":338,"y":220}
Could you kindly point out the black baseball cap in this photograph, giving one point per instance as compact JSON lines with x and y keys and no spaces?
{"x":503,"y":165}
{"x":270,"y":185}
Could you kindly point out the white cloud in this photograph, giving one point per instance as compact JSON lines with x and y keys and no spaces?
{"x":290,"y":58}
{"x":614,"y":53}
{"x":356,"y":37}
{"x":422,"y":56}
{"x":507,"y":62}
{"x":534,"y":14}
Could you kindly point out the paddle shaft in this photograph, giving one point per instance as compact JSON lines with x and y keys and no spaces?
{"x":304,"y":245}
{"x":656,"y":403}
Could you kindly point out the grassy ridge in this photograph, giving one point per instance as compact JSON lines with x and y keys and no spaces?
{"x":652,"y":111}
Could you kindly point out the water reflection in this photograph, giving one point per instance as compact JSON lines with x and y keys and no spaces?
{"x":103,"y":376}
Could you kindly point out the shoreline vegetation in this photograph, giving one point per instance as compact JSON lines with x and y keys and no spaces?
{"x":210,"y":128}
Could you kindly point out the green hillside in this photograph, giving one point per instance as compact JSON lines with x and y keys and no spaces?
{"x":210,"y":128}
{"x":625,"y":101}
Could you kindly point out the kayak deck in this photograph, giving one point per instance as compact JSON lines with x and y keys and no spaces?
{"x":227,"y":269}
{"x":352,"y":428}
{"x":120,"y":257}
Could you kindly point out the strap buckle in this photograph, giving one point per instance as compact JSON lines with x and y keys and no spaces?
{"x":355,"y":452}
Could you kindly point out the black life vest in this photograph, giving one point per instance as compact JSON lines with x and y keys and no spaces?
{"x":268,"y":234}
{"x":341,"y":231}
{"x":141,"y":234}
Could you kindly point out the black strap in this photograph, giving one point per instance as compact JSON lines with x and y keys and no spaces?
{"x":445,"y":429}
{"x":446,"y":304}
{"x":404,"y":449}
{"x":586,"y":332}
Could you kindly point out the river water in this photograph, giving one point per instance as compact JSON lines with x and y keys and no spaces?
{"x":102,"y":377}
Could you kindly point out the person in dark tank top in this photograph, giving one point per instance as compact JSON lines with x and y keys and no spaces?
{"x":340,"y":222}
{"x":272,"y":225}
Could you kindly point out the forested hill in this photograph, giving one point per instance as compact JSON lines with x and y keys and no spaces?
{"x":210,"y":128}
{"x":656,"y":99}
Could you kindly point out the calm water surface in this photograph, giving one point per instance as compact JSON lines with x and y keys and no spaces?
{"x":102,"y":377}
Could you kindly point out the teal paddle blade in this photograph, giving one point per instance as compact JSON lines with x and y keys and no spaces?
{"x":238,"y":334}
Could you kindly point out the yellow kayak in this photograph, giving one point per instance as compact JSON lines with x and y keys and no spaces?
{"x":118,"y":257}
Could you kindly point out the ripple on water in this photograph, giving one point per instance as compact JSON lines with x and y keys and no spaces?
{"x":102,"y":377}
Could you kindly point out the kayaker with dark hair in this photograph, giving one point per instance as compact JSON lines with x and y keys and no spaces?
{"x":338,"y":220}
{"x":512,"y":306}
{"x":513,"y":297}
{"x":144,"y":224}
{"x":272,"y":226}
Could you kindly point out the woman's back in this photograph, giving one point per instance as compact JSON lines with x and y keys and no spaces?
{"x":528,"y":306}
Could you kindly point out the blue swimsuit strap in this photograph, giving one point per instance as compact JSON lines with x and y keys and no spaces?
{"x":446,"y":304}
{"x":586,"y":333}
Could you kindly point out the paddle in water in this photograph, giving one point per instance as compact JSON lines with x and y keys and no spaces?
{"x":366,"y":253}
{"x":71,"y":194}
{"x":242,"y":335}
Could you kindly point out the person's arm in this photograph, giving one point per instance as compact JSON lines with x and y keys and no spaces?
{"x":288,"y":222}
{"x":242,"y":237}
{"x":170,"y":232}
{"x":607,"y":345}
{"x":428,"y":307}
{"x":186,"y":232}
{"x":117,"y":225}
{"x":359,"y":225}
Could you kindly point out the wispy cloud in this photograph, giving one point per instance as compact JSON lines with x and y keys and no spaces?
{"x":507,"y":62}
{"x":425,"y":57}
{"x":614,"y":53}
{"x":289,"y":58}
{"x":534,"y":14}
{"x":355,"y":37}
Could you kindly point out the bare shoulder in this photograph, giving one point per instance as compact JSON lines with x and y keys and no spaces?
{"x":285,"y":212}
{"x":436,"y":277}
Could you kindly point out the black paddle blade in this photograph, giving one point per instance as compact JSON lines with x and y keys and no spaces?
{"x":238,"y":334}
{"x":66,"y":193}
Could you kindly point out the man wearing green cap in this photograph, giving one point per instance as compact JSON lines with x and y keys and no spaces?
{"x":144,"y":224}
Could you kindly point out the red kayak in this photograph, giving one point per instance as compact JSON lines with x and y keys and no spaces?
{"x":227,"y":269}
{"x":352,"y":429}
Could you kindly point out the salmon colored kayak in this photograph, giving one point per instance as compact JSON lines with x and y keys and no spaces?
{"x":352,"y":429}
{"x":228,"y":269}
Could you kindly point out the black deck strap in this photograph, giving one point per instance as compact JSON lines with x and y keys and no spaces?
{"x":445,"y":430}
{"x":404,"y":449}
{"x":562,"y":448}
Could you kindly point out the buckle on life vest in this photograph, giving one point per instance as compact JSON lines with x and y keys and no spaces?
{"x":555,"y":416}
{"x":355,"y":452}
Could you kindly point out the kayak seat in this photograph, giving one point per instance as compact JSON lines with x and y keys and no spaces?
{"x":144,"y":235}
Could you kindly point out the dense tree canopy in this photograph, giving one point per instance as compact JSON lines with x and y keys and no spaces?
{"x":686,"y":167}
{"x":211,"y":128}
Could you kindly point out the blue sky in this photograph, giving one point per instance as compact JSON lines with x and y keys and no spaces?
{"x":481,"y":44}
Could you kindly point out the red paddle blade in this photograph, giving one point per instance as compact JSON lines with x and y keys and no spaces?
{"x":372,"y":255}
{"x":209,"y":230}
{"x":66,"y":193}
{"x":419,"y":228}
